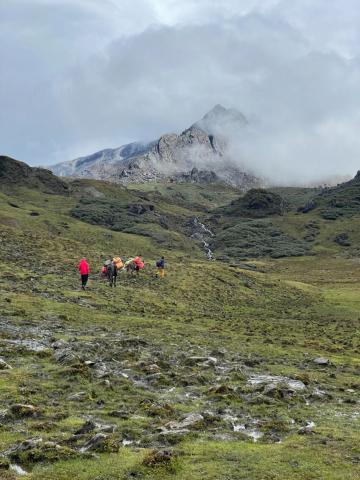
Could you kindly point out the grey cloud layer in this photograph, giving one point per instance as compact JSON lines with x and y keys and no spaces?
{"x":87,"y":75}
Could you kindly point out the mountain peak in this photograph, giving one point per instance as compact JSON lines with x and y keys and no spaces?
{"x":203,"y":145}
{"x":218,"y":109}
{"x":220,"y":119}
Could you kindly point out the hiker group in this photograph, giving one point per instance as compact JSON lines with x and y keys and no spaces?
{"x":114,"y":265}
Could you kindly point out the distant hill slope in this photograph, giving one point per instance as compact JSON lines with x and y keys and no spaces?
{"x":196,"y":219}
{"x":274,"y":222}
{"x":335,"y":202}
{"x":13,"y":172}
{"x":202,"y":147}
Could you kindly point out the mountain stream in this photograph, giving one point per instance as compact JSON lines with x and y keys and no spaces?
{"x":202,"y":234}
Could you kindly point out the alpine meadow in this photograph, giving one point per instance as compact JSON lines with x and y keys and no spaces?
{"x":179,"y":298}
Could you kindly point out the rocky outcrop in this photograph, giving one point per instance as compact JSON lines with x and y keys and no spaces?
{"x":170,"y":156}
{"x":178,"y":158}
{"x":197,"y":176}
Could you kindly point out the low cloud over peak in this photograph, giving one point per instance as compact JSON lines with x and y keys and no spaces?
{"x":104,"y":81}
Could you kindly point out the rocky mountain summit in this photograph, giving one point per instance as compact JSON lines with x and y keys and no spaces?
{"x":174,"y":157}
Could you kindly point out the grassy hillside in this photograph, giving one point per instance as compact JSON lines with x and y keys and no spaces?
{"x":289,"y":223}
{"x":239,"y":370}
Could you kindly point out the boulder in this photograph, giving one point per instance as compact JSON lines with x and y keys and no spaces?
{"x":89,"y":426}
{"x":158,"y":457}
{"x":194,"y":420}
{"x":321,"y":361}
{"x":94,"y":443}
{"x":4,"y":365}
{"x":78,"y":396}
{"x":20,"y":410}
{"x":58,"y":344}
{"x":64,"y":356}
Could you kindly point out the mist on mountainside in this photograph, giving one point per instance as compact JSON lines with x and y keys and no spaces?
{"x":226,"y":142}
{"x":317,"y":156}
{"x":294,"y":157}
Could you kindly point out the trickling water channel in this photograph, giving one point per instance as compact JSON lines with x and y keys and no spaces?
{"x":17,"y":469}
{"x":202,"y":233}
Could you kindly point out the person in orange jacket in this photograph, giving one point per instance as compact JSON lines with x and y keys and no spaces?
{"x":84,"y":271}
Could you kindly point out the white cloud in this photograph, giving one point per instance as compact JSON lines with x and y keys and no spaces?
{"x":84,"y":75}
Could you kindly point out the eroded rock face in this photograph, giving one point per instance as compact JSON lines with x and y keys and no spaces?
{"x":197,"y":176}
{"x":200,"y":153}
{"x":169,"y":156}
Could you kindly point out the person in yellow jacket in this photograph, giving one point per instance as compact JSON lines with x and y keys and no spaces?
{"x":160,"y":268}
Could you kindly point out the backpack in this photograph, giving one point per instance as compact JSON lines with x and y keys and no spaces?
{"x":118,"y":263}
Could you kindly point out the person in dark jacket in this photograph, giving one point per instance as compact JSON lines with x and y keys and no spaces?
{"x":111,"y":272}
{"x":160,"y":268}
{"x":84,"y":271}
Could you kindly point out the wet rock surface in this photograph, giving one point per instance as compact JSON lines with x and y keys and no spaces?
{"x":130,"y":391}
{"x":216,"y":388}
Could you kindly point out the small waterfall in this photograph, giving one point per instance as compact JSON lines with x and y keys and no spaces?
{"x":202,"y":233}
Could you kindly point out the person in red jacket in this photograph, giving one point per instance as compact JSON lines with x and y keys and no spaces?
{"x":139,"y":264}
{"x":84,"y":271}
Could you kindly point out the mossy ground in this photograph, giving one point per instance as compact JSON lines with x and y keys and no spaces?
{"x":143,"y":337}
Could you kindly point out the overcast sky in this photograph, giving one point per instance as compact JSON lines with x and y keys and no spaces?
{"x":81,"y":75}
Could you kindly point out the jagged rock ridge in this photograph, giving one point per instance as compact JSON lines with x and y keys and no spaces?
{"x":203,"y":146}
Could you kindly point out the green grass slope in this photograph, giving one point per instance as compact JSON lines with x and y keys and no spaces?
{"x":212,"y":373}
{"x":289,"y":222}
